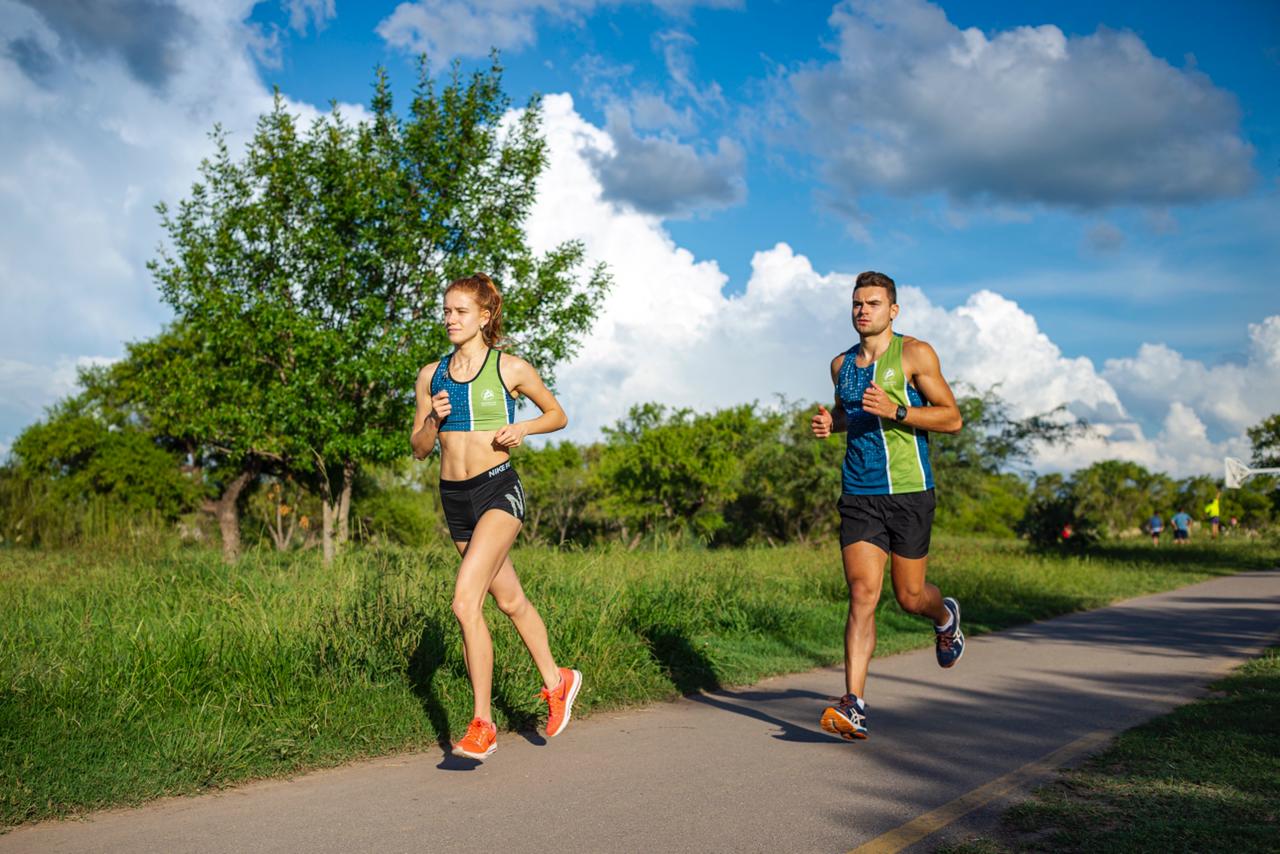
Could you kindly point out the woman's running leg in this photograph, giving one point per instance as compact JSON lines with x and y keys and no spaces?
{"x":509,"y":595}
{"x":481,"y":561}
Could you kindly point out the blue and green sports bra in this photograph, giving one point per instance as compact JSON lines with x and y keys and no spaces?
{"x":481,"y":403}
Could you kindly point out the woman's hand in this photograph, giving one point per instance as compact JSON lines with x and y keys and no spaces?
{"x":511,"y":435}
{"x":440,"y":406}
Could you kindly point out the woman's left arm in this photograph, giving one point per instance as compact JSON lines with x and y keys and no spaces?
{"x":523,"y":379}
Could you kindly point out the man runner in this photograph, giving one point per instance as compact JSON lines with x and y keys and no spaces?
{"x":1181,"y":522}
{"x":1155,"y":525}
{"x":889,"y":394}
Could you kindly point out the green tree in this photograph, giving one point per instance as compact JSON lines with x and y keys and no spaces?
{"x":1114,"y":495}
{"x":1265,"y":437}
{"x":790,"y":481}
{"x":209,"y":402}
{"x":320,"y":258}
{"x":558,"y":479}
{"x":673,"y":470}
{"x":976,"y":470}
{"x":91,"y":452}
{"x":1050,"y":507}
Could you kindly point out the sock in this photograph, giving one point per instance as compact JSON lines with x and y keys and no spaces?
{"x":948,"y":626}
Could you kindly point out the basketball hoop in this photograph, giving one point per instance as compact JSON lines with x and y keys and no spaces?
{"x":1237,"y":472}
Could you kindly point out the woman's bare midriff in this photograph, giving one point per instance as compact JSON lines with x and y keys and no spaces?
{"x":465,"y":455}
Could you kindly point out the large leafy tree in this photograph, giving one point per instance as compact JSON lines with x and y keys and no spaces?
{"x":1265,"y":437}
{"x":206,"y":401}
{"x":314,"y":267}
{"x":667,"y":470}
{"x":92,"y":459}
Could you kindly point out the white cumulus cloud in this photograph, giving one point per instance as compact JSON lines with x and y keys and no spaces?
{"x":668,"y":333}
{"x":444,"y":29}
{"x":115,"y":122}
{"x":913,"y":104}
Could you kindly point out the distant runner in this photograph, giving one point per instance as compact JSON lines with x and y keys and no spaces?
{"x":467,"y":401}
{"x":1155,"y":525}
{"x":1214,"y":511}
{"x":889,"y":393}
{"x":1181,"y":527}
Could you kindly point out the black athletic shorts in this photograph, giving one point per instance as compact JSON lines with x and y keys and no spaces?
{"x":465,"y":501}
{"x":899,"y":524}
{"x":1181,"y":534}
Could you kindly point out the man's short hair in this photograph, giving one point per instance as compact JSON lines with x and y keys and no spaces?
{"x":872,"y":279}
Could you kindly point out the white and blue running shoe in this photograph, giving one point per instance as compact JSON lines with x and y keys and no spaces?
{"x":949,"y":644}
{"x":847,"y":718}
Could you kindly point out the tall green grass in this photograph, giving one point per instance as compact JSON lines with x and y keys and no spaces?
{"x":124,"y":677}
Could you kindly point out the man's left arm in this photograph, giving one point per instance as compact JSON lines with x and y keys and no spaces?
{"x":920,"y":362}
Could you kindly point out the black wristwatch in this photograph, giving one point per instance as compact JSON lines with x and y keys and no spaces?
{"x":901,"y":414}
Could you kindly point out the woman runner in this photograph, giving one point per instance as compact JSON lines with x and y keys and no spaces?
{"x":467,"y":401}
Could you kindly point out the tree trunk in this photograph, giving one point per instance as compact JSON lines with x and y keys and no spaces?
{"x":327,"y":512}
{"x":227,"y":511}
{"x":344,"y":501}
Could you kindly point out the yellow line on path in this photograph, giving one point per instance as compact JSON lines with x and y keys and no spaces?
{"x":921,"y":826}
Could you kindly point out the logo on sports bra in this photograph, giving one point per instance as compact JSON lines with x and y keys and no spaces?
{"x":487,"y":396}
{"x":888,"y":375}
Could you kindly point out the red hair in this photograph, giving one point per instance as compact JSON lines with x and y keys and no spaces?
{"x":485,"y":293}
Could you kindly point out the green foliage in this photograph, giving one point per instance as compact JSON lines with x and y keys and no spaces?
{"x":307,"y":275}
{"x":562,"y":492}
{"x":1203,"y":778}
{"x":1265,"y":437}
{"x":790,"y":483}
{"x":400,"y":504}
{"x":675,"y":470}
{"x":1113,"y":496}
{"x":86,"y":470}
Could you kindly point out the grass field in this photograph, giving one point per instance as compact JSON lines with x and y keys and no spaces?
{"x":1205,"y":778}
{"x":125,"y":677}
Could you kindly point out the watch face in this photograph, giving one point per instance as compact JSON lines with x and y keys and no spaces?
{"x":900,"y":414}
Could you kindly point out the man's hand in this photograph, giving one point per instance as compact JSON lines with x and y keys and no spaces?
{"x":876,"y":402}
{"x":440,"y":406}
{"x":511,"y":435}
{"x":821,"y":423}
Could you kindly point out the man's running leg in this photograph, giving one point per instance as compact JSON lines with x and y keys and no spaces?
{"x":917,"y":596}
{"x":864,"y":573}
{"x":914,"y":594}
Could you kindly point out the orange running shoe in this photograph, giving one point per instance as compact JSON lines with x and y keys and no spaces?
{"x":560,"y":701}
{"x":480,"y":741}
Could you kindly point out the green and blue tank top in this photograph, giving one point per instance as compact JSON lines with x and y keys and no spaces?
{"x":882,"y":457}
{"x":481,"y":403}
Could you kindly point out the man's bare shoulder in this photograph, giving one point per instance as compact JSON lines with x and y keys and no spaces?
{"x":916,"y":347}
{"x":836,"y":364}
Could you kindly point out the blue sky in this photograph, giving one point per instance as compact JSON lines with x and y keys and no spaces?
{"x":1237,"y":47}
{"x":1095,"y":183}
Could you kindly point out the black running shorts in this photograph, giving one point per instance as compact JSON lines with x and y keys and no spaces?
{"x":898,"y":524}
{"x":465,"y":501}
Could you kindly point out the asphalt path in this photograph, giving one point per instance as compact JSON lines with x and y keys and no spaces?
{"x":748,"y":769}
